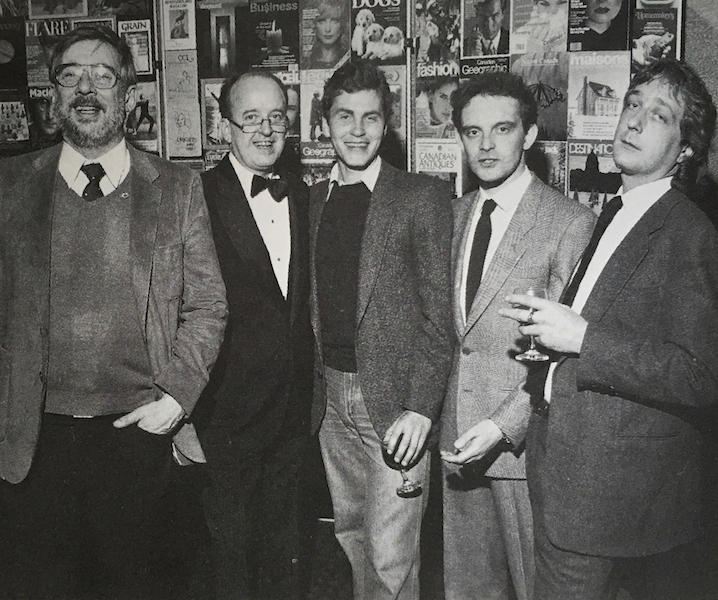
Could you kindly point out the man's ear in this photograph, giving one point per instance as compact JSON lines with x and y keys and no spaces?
{"x":685,"y":153}
{"x":225,"y":129}
{"x":530,"y":136}
{"x":130,"y":97}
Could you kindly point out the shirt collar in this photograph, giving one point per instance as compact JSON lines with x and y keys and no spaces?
{"x":648,"y":192}
{"x":115,"y":162}
{"x":508,"y":195}
{"x":245,"y":176}
{"x":368,"y":177}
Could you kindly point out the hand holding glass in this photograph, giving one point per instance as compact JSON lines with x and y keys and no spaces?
{"x":409,"y":488}
{"x":532,"y":354}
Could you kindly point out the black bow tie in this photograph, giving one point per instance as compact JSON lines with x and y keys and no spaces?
{"x":276,"y":187}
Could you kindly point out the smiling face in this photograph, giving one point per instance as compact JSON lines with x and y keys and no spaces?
{"x":256,"y":98}
{"x":648,"y":144}
{"x":92,"y":120}
{"x":600,"y":13}
{"x":494,"y":139}
{"x":440,"y":103}
{"x":356,"y":126}
{"x":328,"y":25}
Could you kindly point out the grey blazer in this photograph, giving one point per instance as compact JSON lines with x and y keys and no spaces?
{"x":541,"y":247}
{"x":404,"y":340}
{"x":177,"y":284}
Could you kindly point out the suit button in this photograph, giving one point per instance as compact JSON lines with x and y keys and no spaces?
{"x":466,"y":351}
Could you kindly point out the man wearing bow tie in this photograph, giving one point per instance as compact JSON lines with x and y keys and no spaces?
{"x":253,"y":419}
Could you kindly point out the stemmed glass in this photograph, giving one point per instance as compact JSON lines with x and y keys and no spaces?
{"x":532,"y":354}
{"x":408,"y":488}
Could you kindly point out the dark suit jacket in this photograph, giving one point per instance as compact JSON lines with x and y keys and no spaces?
{"x":541,"y":246}
{"x":404,"y":340}
{"x":262,"y":383}
{"x":622,"y":473}
{"x":176,"y":282}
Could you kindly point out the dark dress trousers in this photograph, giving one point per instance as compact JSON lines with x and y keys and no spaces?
{"x":253,"y":417}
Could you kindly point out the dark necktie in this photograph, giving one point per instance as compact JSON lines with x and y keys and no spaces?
{"x":609,"y":211}
{"x":480,"y":245}
{"x":276,"y":187}
{"x":94,"y":172}
{"x":487,"y":48}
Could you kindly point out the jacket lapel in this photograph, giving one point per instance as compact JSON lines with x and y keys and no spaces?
{"x":317,"y":200}
{"x":512,"y":247}
{"x":627,"y":258}
{"x":298,"y":264}
{"x":376,"y":231}
{"x":463,"y":209}
{"x":237,"y":218}
{"x":146,"y":200}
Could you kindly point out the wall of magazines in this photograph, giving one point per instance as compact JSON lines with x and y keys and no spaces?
{"x":577,"y":57}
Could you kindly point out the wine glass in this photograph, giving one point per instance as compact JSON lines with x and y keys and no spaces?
{"x":532,"y":354}
{"x":408,"y":488}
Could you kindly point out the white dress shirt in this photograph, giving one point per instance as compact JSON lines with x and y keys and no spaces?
{"x":635,"y":204}
{"x":507,"y":197}
{"x":368,"y":176}
{"x":115,"y":162}
{"x":272,"y":219}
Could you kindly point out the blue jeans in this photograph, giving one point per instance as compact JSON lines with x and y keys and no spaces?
{"x":378,"y":530}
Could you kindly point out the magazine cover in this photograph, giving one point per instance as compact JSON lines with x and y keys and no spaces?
{"x":316,"y":173}
{"x":547,"y":159}
{"x":598,"y":25}
{"x":487,"y":64}
{"x":109,"y":22}
{"x":325,"y":33}
{"x":441,"y":158}
{"x":213,"y":157}
{"x":45,"y":9}
{"x":593,"y":177}
{"x":546,"y":75}
{"x":315,"y":145}
{"x":142,"y":128}
{"x":138,"y":35}
{"x":13,"y":61}
{"x":393,"y":147}
{"x":433,"y":106}
{"x":273,"y":34}
{"x":655,"y":35}
{"x":40,"y":39}
{"x":179,"y":32}
{"x":597,"y":82}
{"x":379,"y":30}
{"x":182,"y":112}
{"x":290,"y":79}
{"x":539,"y":26}
{"x":14,"y":126}
{"x":131,"y":9}
{"x":437,"y":28}
{"x":213,"y":137}
{"x":13,"y":8}
{"x":486,"y":27}
{"x":222,"y":33}
{"x":44,"y":127}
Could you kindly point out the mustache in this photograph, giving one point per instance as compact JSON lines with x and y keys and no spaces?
{"x":87,"y":102}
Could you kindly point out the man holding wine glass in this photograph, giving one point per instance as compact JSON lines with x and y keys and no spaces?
{"x":614,"y":451}
{"x":514,"y":232}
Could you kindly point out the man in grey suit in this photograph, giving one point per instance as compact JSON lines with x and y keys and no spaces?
{"x":112,"y":312}
{"x":616,"y":450}
{"x":513,"y":232}
{"x":380,"y":249}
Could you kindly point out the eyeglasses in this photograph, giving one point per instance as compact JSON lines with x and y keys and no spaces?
{"x":252,"y":124}
{"x":103,"y":77}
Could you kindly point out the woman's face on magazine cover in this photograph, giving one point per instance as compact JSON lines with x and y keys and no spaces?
{"x":549,"y":7}
{"x":328,"y":25}
{"x":440,"y":102}
{"x":602,"y":11}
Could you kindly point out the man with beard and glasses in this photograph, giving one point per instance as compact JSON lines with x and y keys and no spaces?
{"x":112,"y":311}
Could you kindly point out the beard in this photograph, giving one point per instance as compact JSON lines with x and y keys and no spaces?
{"x":94,"y":133}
